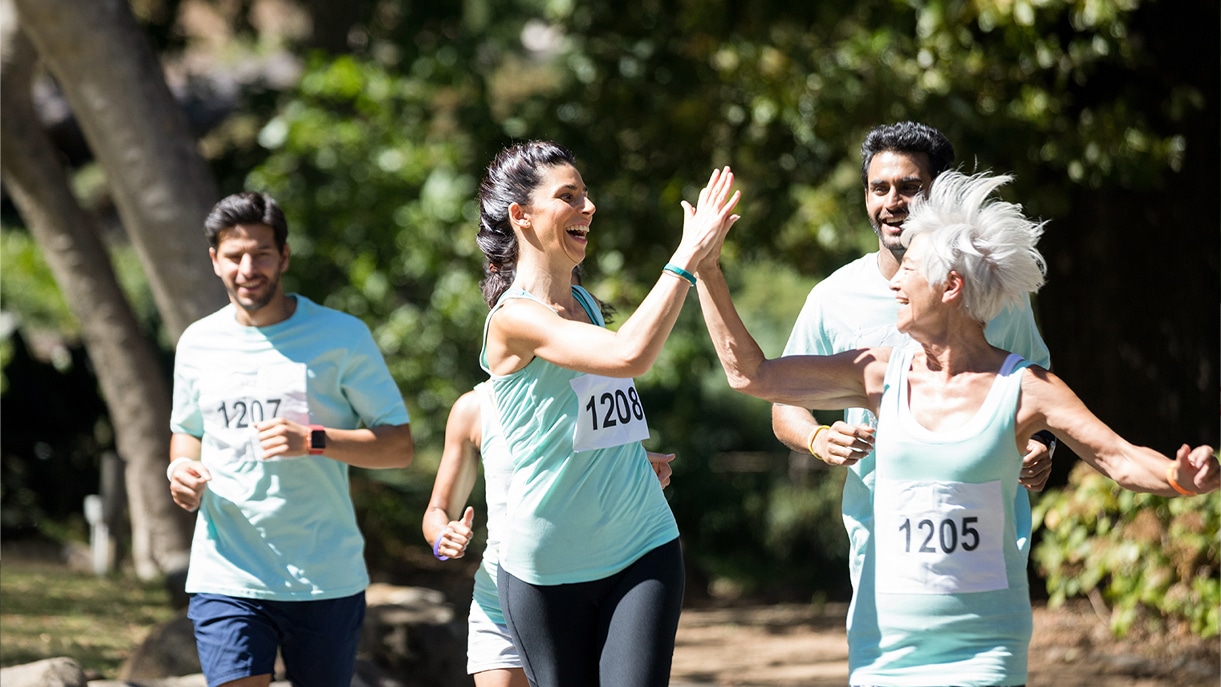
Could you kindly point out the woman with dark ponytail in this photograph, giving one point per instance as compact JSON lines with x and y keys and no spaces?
{"x":591,"y":574}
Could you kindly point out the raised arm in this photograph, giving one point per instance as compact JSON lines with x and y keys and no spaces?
{"x":522,"y":329}
{"x":1048,"y":403}
{"x":847,"y":380}
{"x":445,"y":516}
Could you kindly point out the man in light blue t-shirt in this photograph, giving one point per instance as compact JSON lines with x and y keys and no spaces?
{"x":274,"y":397}
{"x":855,"y":308}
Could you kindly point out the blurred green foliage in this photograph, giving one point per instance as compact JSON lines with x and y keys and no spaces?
{"x":1155,"y":559}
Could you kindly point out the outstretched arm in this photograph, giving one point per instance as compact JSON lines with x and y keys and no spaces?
{"x":446,"y":526}
{"x":1048,"y":403}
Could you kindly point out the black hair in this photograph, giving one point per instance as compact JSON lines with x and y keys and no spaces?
{"x":246,"y":208}
{"x":511,"y":177}
{"x":908,"y":138}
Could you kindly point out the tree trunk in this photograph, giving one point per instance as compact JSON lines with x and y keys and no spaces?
{"x":160,"y":184}
{"x":124,"y":359}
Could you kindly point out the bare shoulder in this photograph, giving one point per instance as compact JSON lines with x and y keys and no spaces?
{"x":465,"y":417}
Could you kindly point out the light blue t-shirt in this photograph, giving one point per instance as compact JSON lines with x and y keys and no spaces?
{"x":944,"y":578}
{"x":278,"y":529}
{"x":855,"y":308}
{"x":497,"y":470}
{"x":584,"y":502}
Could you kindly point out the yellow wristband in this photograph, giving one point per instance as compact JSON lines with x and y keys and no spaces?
{"x":1175,"y":485}
{"x":810,"y":442}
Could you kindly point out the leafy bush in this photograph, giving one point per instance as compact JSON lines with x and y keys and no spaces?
{"x":1153,"y":558}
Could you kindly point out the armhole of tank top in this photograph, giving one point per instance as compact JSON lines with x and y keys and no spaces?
{"x":507,"y":295}
{"x":901,"y":362}
{"x":588,"y":304}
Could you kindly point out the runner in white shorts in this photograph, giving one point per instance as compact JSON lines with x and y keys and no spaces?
{"x":473,"y":432}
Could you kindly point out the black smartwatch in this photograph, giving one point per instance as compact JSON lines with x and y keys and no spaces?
{"x":317,"y":440}
{"x":1049,"y":439}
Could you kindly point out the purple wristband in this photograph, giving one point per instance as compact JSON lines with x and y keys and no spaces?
{"x":439,"y":556}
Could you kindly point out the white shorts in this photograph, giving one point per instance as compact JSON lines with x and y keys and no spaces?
{"x":488,"y":646}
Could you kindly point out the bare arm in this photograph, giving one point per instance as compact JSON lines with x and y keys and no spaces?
{"x":384,"y":446}
{"x":1048,"y":403}
{"x":845,"y":380}
{"x":455,"y":479}
{"x":793,"y":425}
{"x":522,"y":330}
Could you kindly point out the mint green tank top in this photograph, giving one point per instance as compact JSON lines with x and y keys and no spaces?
{"x":943,"y":595}
{"x":583,"y":501}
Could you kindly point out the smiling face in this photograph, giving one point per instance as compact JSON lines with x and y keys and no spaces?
{"x":560,"y":212}
{"x":894,"y":181}
{"x":249,"y":264}
{"x":912,"y":290}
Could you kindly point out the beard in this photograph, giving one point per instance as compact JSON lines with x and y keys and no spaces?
{"x":259,"y":299}
{"x":893,"y":244}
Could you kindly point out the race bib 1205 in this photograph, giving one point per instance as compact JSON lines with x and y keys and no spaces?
{"x":611,"y":413}
{"x":937,"y":537}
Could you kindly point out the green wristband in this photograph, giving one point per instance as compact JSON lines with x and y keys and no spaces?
{"x":675,"y":269}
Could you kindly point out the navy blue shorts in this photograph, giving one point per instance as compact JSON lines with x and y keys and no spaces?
{"x":239,"y":637}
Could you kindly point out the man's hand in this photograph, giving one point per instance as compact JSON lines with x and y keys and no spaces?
{"x":1036,"y":465}
{"x":844,"y":444}
{"x":187,"y":483}
{"x":281,"y":438}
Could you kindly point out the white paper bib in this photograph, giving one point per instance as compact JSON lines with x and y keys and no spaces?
{"x":232,"y":402}
{"x":611,"y":413}
{"x":937,"y":537}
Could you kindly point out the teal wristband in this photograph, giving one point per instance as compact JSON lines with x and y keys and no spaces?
{"x":675,"y":269}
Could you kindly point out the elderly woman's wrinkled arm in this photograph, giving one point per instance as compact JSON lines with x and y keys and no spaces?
{"x":824,"y":382}
{"x":1048,"y":403}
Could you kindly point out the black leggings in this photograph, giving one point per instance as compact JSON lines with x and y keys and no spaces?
{"x":614,"y":632}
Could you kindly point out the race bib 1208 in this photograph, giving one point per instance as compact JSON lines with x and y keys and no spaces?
{"x":610,"y":413}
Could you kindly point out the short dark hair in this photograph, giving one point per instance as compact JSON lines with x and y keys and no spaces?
{"x":246,"y":208}
{"x":908,"y":138}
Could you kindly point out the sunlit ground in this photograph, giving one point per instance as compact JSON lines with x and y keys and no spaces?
{"x":48,"y":611}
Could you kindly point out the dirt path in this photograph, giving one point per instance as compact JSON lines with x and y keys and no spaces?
{"x":791,"y":645}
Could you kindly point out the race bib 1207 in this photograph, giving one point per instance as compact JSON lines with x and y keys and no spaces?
{"x":936,"y":537}
{"x":233,"y":402}
{"x":610,"y":413}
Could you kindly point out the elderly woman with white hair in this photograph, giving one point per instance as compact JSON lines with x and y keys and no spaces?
{"x":942,"y":569}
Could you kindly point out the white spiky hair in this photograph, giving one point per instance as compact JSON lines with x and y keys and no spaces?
{"x":986,"y":240}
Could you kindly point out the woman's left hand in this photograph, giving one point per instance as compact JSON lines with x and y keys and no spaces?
{"x":1199,"y":468}
{"x":661,"y":466}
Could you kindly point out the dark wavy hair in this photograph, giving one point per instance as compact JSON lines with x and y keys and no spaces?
{"x":908,"y":138}
{"x":246,"y":208}
{"x":511,"y":177}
